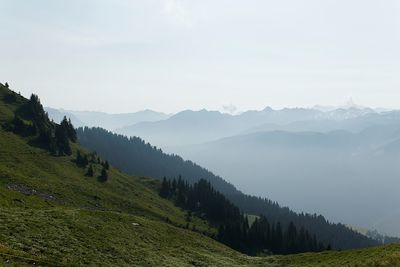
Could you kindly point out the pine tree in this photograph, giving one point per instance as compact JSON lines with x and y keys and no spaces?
{"x":106,"y":165}
{"x":85,"y":160}
{"x":164,"y":191}
{"x":90,"y":171}
{"x":6,"y":85}
{"x":104,"y":175}
{"x":62,"y":140}
{"x":79,"y":158}
{"x":69,"y":129}
{"x":18,"y":125}
{"x":72,"y":132}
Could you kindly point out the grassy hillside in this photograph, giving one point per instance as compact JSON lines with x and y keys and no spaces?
{"x":384,"y":256}
{"x":51,"y":214}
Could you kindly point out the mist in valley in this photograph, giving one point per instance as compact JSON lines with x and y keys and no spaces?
{"x":342,"y":163}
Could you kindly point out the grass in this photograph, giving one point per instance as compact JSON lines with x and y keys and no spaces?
{"x":70,"y":219}
{"x":51,"y":214}
{"x":383,"y":256}
{"x":82,"y":237}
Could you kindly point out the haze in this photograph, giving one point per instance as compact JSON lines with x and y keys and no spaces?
{"x":123,"y":55}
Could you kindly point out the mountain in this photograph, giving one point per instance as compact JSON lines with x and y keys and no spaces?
{"x":345,"y":171}
{"x":105,"y":120}
{"x":137,"y":157}
{"x":184,"y":127}
{"x":194,"y":127}
{"x":58,"y":115}
{"x":326,"y":123}
{"x":54,"y":214}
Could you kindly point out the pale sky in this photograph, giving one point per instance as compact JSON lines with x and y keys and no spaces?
{"x":170,"y":55}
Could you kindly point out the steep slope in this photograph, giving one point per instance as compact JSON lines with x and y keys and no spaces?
{"x":52,"y":214}
{"x":133,"y":155}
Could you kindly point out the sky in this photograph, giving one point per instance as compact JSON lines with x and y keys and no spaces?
{"x":170,"y":55}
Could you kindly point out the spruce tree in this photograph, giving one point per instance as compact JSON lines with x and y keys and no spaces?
{"x":18,"y":125}
{"x":85,"y":160}
{"x":104,"y":175}
{"x":106,"y":165}
{"x":79,"y":158}
{"x":62,"y":140}
{"x":90,"y":171}
{"x":164,"y":191}
{"x":71,"y":131}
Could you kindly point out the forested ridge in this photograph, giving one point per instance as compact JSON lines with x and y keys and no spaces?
{"x":54,"y":212}
{"x":31,"y":122}
{"x":134,"y":156}
{"x":234,"y":228}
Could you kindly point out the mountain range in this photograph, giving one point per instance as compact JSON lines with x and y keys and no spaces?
{"x":64,"y":204}
{"x":295,"y":155}
{"x":193,"y":127}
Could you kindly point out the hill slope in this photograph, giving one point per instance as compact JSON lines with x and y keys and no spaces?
{"x":52,"y":214}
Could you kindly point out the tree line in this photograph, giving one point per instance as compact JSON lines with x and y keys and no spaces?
{"x":338,"y":235}
{"x":31,"y":120}
{"x":233,"y":226}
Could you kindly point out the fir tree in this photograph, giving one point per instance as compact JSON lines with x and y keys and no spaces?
{"x":165,"y":188}
{"x":62,"y":140}
{"x":19,"y":126}
{"x":90,"y":171}
{"x":72,"y":132}
{"x":104,"y":175}
{"x":105,"y":164}
{"x":79,"y":158}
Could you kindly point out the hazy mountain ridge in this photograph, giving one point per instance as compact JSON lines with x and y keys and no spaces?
{"x":105,"y":120}
{"x":73,"y":218}
{"x":135,"y":156}
{"x":327,"y":148}
{"x":191,"y":127}
{"x":338,"y":168}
